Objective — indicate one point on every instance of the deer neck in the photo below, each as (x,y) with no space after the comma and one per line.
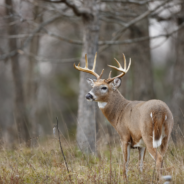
(114,105)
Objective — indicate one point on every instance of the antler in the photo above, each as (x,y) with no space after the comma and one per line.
(123,70)
(87,70)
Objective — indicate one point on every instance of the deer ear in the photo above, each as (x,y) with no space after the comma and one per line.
(91,81)
(116,83)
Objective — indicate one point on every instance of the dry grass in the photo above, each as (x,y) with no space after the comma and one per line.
(45,164)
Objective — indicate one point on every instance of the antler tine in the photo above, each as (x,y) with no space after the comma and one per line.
(129,65)
(120,67)
(94,62)
(123,70)
(101,74)
(118,63)
(86,69)
(86,60)
(109,75)
(124,58)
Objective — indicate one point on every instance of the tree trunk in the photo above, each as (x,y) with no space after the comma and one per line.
(32,80)
(141,60)
(86,129)
(20,114)
(178,84)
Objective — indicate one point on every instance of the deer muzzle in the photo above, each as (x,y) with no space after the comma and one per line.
(89,97)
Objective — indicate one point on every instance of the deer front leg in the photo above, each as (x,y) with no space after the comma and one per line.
(126,156)
(142,151)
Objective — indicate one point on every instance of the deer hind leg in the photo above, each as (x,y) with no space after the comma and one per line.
(164,147)
(158,158)
(163,150)
(126,157)
(142,151)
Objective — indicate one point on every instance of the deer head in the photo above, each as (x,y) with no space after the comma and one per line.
(102,88)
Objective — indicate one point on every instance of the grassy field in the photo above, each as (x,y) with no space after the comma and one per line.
(45,164)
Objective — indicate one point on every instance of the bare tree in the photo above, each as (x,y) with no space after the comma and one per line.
(33,75)
(20,114)
(141,59)
(178,83)
(86,129)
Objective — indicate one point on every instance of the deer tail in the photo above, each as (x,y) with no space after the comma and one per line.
(157,121)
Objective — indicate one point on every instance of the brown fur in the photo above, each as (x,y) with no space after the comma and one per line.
(135,121)
(132,119)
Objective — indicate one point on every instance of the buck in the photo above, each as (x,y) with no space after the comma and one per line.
(140,124)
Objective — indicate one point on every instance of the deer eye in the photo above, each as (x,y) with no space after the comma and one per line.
(104,88)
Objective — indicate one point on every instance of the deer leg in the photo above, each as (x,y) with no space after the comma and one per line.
(142,151)
(126,156)
(163,148)
(157,157)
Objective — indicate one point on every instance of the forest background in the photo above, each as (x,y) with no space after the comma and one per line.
(40,42)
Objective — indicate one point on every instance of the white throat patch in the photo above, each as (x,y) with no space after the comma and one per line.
(102,105)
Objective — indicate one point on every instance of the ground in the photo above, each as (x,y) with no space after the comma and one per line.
(45,164)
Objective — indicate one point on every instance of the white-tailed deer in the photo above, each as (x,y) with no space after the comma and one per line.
(140,124)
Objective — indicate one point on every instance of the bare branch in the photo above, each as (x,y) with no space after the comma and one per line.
(63,38)
(28,40)
(127,1)
(112,21)
(79,11)
(52,9)
(130,41)
(51,60)
(139,18)
(20,36)
(173,15)
(123,14)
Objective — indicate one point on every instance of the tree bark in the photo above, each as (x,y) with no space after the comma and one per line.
(178,84)
(86,129)
(141,60)
(20,114)
(32,79)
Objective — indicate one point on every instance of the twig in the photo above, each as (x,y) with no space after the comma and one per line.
(62,149)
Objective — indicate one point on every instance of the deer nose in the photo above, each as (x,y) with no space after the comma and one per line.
(89,96)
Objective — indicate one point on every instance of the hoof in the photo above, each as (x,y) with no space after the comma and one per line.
(167,179)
